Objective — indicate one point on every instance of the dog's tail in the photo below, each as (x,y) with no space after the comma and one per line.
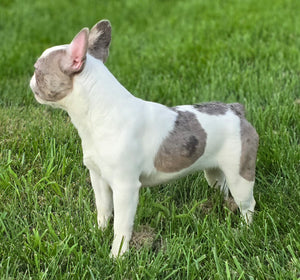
(238,108)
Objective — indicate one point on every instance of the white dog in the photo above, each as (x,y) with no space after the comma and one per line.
(129,143)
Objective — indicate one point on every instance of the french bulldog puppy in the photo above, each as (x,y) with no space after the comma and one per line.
(129,143)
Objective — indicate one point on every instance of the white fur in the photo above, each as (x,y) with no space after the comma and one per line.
(121,135)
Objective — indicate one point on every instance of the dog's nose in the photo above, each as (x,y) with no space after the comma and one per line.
(35,65)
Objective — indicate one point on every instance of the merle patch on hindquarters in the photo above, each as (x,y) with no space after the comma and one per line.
(249,137)
(250,141)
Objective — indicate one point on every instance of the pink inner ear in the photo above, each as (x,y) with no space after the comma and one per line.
(77,64)
(77,50)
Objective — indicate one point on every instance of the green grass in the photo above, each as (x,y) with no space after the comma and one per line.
(172,52)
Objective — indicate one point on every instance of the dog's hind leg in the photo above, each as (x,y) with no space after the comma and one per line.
(238,166)
(216,178)
(240,188)
(242,192)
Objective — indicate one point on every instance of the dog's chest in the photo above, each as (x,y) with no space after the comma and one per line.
(90,156)
(90,147)
(101,152)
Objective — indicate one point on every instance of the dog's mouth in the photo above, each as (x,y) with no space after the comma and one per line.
(37,96)
(35,92)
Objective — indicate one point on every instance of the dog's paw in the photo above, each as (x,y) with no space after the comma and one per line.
(119,247)
(103,221)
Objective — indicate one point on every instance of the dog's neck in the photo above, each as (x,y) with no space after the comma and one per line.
(95,90)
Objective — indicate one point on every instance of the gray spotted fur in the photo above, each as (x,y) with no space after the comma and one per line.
(219,108)
(99,40)
(184,145)
(53,82)
(250,141)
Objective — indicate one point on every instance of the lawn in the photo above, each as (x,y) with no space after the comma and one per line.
(172,52)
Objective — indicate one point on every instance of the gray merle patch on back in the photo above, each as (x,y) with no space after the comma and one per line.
(238,109)
(219,108)
(183,146)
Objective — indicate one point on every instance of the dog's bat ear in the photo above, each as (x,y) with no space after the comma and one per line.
(74,59)
(99,40)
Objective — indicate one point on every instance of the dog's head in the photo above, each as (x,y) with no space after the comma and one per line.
(55,69)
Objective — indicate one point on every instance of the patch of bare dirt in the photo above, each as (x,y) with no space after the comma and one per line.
(230,204)
(145,236)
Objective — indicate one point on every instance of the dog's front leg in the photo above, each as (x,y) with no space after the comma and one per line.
(103,197)
(125,197)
